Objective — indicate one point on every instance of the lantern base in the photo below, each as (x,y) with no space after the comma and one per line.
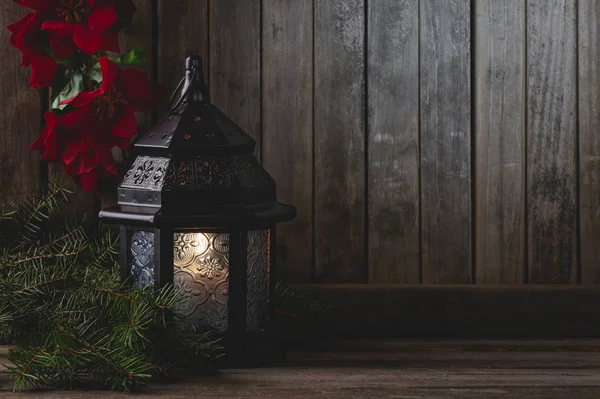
(252,350)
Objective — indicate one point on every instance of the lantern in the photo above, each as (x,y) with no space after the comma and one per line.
(198,210)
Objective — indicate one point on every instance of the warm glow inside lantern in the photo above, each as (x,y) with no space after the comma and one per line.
(198,210)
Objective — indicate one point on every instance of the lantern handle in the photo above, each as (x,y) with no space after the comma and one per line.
(183,95)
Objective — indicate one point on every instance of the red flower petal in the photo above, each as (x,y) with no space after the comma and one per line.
(83,98)
(108,165)
(103,18)
(109,73)
(63,47)
(37,144)
(51,148)
(126,127)
(77,119)
(87,40)
(71,153)
(43,70)
(91,3)
(20,24)
(110,41)
(26,39)
(38,5)
(58,28)
(88,180)
(26,61)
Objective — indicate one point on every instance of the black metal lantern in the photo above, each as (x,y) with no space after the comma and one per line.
(198,210)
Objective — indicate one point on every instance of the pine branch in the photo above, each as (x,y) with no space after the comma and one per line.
(64,307)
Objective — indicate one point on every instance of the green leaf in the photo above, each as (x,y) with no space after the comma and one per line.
(134,58)
(95,73)
(72,89)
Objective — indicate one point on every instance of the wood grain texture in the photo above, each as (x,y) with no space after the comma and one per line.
(287,83)
(445,141)
(499,139)
(384,368)
(393,143)
(551,149)
(183,30)
(339,141)
(139,34)
(235,53)
(20,117)
(589,139)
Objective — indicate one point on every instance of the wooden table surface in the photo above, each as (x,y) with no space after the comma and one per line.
(399,369)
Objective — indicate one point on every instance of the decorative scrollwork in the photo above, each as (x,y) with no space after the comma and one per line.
(210,268)
(202,276)
(147,173)
(181,175)
(186,246)
(141,258)
(213,173)
(220,243)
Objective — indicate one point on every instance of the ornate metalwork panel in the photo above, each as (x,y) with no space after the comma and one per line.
(141,258)
(181,175)
(202,274)
(259,266)
(147,173)
(215,172)
(251,173)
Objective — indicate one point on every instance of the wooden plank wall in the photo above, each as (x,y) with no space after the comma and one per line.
(423,141)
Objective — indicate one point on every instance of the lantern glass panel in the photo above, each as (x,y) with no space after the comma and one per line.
(201,273)
(140,257)
(258,276)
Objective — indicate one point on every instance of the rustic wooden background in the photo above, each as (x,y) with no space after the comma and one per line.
(423,142)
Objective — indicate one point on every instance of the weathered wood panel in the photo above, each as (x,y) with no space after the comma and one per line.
(20,117)
(589,139)
(551,138)
(235,77)
(500,245)
(339,140)
(445,141)
(287,126)
(139,34)
(182,31)
(393,143)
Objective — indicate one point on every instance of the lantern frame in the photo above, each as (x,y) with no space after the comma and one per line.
(196,172)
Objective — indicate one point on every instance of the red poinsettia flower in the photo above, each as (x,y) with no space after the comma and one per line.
(81,160)
(104,118)
(84,24)
(52,141)
(25,36)
(75,151)
(110,109)
(88,25)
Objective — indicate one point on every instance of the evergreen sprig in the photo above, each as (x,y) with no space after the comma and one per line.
(63,306)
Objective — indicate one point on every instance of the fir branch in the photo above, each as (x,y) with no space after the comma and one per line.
(64,307)
(19,262)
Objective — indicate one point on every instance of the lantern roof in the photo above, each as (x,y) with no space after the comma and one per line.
(196,167)
(195,127)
